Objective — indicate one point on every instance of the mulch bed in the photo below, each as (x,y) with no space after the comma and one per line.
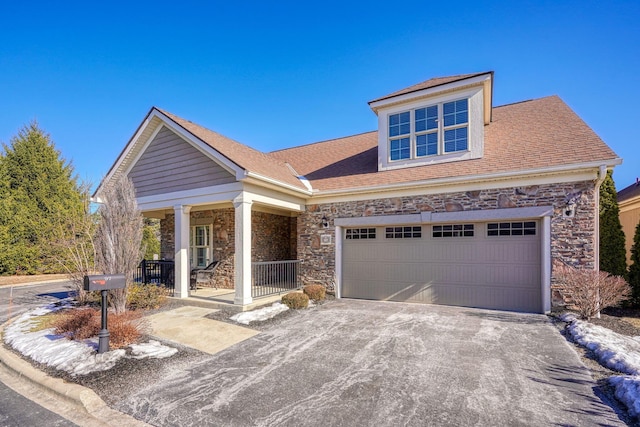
(616,319)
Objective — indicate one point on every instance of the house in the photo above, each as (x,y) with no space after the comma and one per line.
(629,204)
(450,201)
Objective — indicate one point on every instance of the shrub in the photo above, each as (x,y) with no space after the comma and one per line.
(295,300)
(79,324)
(590,290)
(145,297)
(126,328)
(315,292)
(634,269)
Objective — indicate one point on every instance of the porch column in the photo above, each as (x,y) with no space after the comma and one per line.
(182,265)
(242,207)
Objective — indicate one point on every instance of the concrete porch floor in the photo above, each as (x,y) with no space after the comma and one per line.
(223,299)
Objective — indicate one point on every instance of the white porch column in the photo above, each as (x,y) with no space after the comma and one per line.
(242,207)
(182,267)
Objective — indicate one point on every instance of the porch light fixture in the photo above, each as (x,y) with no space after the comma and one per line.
(571,201)
(325,222)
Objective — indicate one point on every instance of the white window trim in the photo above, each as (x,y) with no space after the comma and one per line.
(439,131)
(475,125)
(193,246)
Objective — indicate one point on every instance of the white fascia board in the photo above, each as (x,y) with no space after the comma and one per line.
(131,163)
(439,217)
(572,173)
(206,149)
(197,196)
(377,105)
(276,183)
(274,198)
(125,153)
(276,202)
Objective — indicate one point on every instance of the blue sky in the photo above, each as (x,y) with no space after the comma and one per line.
(278,74)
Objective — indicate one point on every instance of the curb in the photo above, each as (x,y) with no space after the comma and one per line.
(75,394)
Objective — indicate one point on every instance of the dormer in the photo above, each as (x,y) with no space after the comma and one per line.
(437,121)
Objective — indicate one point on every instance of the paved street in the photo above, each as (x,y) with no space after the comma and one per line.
(16,410)
(15,300)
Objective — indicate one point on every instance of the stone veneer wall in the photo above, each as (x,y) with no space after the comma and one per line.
(273,237)
(572,239)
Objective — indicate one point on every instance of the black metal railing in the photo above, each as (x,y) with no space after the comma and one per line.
(155,272)
(274,277)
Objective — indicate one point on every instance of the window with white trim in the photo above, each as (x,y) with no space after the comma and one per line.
(518,228)
(453,230)
(360,233)
(403,232)
(433,130)
(200,246)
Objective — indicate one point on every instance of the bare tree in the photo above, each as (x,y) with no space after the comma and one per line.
(590,291)
(73,237)
(119,235)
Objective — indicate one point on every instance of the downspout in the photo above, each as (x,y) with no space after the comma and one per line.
(602,174)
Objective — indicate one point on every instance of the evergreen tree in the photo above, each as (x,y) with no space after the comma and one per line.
(151,237)
(38,191)
(634,269)
(613,257)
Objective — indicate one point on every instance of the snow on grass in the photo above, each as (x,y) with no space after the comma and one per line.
(259,315)
(74,357)
(615,351)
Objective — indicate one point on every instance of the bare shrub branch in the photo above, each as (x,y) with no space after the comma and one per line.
(118,236)
(590,291)
(73,239)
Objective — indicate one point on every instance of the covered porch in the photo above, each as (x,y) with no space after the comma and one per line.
(252,239)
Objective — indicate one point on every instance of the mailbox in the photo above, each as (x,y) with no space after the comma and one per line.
(104,282)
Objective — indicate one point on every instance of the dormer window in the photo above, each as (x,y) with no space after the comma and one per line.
(428,131)
(437,121)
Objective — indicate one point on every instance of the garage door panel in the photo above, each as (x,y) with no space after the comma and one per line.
(389,291)
(501,272)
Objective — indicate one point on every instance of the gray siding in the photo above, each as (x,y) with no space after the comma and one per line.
(171,164)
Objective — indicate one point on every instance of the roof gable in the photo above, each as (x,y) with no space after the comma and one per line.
(238,159)
(169,164)
(430,84)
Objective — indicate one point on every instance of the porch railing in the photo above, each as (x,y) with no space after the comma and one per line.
(157,272)
(274,277)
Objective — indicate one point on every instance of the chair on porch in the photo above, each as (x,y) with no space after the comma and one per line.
(203,275)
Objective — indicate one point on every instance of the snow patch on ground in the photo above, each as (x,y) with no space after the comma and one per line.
(260,314)
(74,357)
(615,351)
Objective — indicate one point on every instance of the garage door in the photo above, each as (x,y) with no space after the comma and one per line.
(492,265)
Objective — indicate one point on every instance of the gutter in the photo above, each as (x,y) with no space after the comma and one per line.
(473,178)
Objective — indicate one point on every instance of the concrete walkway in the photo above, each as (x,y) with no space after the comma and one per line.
(385,364)
(188,326)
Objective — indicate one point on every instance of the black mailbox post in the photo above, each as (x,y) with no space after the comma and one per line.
(104,283)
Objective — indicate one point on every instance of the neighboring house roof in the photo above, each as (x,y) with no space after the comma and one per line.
(629,192)
(526,136)
(431,83)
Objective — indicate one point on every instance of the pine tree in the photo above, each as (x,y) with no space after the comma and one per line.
(634,269)
(38,191)
(612,247)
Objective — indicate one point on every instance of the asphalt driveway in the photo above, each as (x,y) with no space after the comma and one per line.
(369,363)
